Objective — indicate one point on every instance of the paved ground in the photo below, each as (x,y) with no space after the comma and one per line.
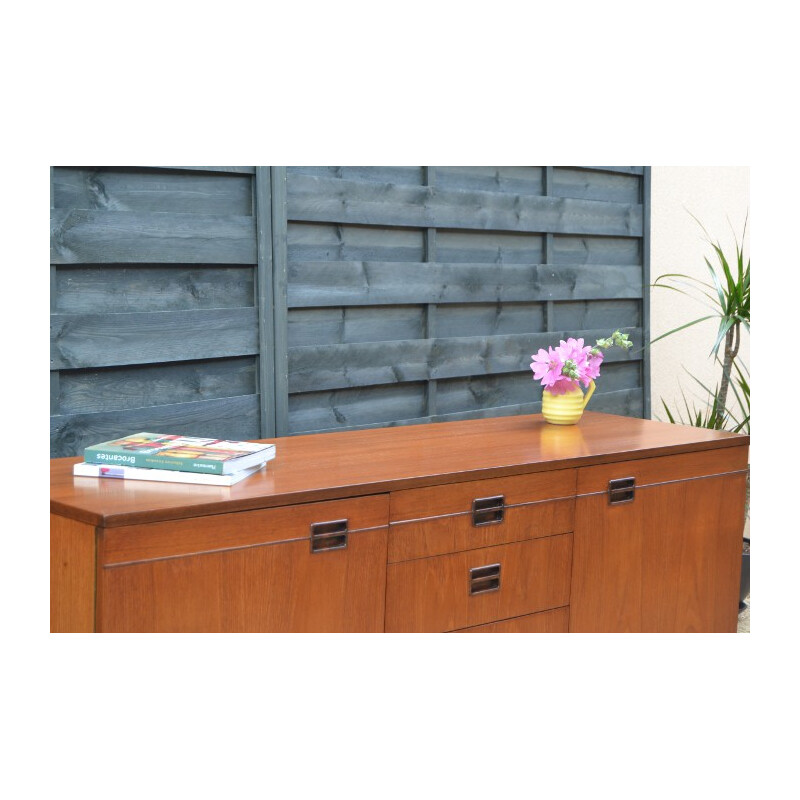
(744,618)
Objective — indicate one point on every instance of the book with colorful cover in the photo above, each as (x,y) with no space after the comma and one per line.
(180,453)
(168,475)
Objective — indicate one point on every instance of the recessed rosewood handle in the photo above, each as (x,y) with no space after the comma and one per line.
(488,510)
(328,535)
(484,579)
(621,490)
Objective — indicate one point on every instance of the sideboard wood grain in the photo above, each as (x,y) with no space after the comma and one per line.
(72,575)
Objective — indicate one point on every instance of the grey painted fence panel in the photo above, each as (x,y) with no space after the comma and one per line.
(78,341)
(399,295)
(493,277)
(155,312)
(82,290)
(314,284)
(118,189)
(226,418)
(98,237)
(336,200)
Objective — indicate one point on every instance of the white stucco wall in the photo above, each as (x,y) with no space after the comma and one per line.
(719,197)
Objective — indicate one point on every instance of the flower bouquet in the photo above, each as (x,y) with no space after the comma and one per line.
(562,369)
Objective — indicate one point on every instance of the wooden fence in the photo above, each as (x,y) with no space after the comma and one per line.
(247,302)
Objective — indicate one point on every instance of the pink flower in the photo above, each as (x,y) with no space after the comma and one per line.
(562,386)
(592,370)
(547,366)
(574,350)
(572,363)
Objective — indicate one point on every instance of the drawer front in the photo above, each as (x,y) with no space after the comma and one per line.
(651,471)
(555,621)
(461,590)
(457,532)
(458,498)
(218,532)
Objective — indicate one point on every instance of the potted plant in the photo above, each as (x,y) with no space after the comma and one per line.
(727,295)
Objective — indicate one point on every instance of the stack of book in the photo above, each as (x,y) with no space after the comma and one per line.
(178,459)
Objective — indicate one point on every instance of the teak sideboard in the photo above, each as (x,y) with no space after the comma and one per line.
(506,524)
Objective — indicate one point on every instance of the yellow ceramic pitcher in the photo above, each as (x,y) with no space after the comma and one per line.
(567,408)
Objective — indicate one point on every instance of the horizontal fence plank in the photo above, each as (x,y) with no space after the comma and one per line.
(374,363)
(626,402)
(82,290)
(316,242)
(229,418)
(341,325)
(488,247)
(235,170)
(455,395)
(308,241)
(315,284)
(410,175)
(99,237)
(85,391)
(101,340)
(516,180)
(323,326)
(336,200)
(595,250)
(119,189)
(491,319)
(625,170)
(341,408)
(613,187)
(587,314)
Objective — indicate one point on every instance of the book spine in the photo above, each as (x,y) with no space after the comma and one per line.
(154,461)
(132,474)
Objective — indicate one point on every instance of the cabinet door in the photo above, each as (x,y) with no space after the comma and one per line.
(666,561)
(248,572)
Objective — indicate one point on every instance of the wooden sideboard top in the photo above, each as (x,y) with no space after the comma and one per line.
(335,465)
